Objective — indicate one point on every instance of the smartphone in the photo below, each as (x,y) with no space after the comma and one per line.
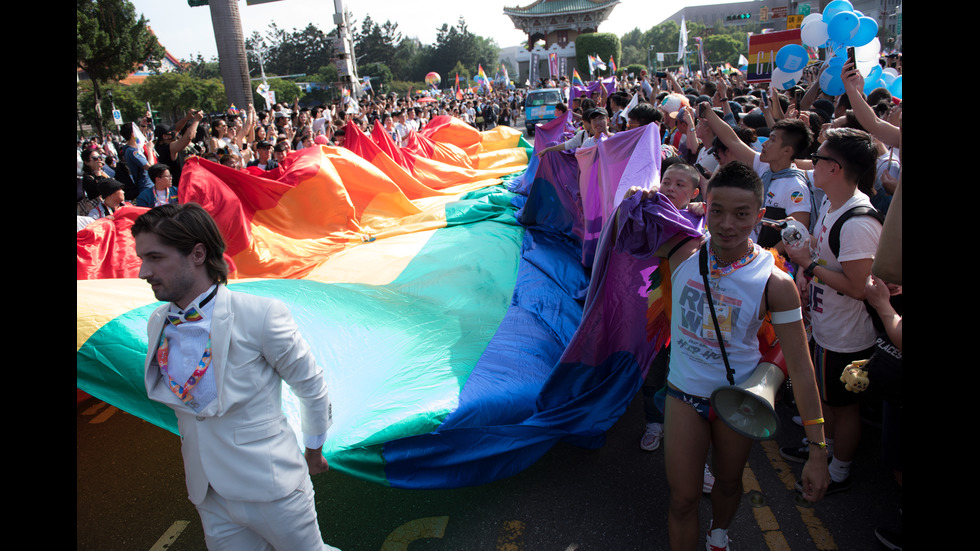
(765,99)
(702,111)
(705,173)
(661,74)
(850,55)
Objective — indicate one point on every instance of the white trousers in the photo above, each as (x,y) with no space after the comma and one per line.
(287,524)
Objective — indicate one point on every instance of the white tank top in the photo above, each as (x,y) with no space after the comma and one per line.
(696,365)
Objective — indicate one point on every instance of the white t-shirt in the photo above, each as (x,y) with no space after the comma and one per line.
(839,322)
(784,193)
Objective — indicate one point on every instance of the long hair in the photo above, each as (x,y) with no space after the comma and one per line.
(183,227)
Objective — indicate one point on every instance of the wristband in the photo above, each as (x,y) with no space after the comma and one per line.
(817,421)
(821,445)
(809,269)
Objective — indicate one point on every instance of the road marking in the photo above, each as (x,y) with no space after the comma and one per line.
(104,416)
(428,527)
(100,417)
(170,536)
(511,536)
(818,532)
(764,518)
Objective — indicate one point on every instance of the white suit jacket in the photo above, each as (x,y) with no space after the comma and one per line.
(241,443)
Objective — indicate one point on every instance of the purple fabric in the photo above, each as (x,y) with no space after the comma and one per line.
(593,86)
(552,178)
(608,170)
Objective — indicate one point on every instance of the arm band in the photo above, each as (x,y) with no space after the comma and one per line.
(787,316)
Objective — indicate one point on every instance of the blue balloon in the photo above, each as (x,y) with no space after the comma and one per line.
(792,58)
(867,31)
(871,81)
(831,83)
(843,27)
(834,8)
(889,78)
(896,87)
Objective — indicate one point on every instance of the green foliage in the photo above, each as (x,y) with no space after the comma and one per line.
(124,98)
(112,42)
(603,45)
(401,87)
(173,94)
(381,76)
(286,91)
(297,52)
(458,45)
(199,68)
(376,43)
(721,48)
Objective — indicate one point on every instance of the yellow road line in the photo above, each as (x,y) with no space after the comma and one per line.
(822,538)
(511,536)
(428,527)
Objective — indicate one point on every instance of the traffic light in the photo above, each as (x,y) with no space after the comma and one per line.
(738,17)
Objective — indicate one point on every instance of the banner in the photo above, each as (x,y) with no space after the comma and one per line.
(762,52)
(553,65)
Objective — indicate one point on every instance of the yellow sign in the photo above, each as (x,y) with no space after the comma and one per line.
(793,21)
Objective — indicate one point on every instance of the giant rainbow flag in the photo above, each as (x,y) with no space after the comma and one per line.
(440,285)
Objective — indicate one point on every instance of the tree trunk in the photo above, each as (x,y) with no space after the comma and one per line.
(231,51)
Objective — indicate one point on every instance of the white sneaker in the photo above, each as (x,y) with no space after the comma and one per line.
(709,480)
(651,438)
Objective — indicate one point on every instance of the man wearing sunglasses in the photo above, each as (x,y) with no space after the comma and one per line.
(833,281)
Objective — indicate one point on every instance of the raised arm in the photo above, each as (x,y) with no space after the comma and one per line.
(176,146)
(727,135)
(854,87)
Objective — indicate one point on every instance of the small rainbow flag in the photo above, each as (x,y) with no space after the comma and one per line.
(576,78)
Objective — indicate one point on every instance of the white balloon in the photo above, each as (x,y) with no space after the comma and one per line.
(868,52)
(865,67)
(783,80)
(811,17)
(891,71)
(814,34)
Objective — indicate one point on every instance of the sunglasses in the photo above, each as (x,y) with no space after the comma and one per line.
(816,158)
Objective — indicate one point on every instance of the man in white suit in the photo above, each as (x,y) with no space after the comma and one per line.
(218,358)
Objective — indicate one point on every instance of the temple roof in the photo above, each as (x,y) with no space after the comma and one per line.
(548,7)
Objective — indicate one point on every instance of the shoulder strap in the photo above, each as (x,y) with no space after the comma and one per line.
(703,266)
(860,210)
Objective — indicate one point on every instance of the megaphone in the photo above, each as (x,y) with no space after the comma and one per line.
(748,408)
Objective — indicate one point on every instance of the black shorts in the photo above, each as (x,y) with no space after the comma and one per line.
(829,366)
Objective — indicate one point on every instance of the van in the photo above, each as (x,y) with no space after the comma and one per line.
(539,107)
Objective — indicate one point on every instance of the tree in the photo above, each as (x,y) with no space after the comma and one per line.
(111,43)
(199,68)
(603,45)
(293,53)
(174,94)
(458,44)
(286,91)
(721,48)
(123,98)
(380,74)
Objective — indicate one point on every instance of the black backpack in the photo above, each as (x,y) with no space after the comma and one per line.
(834,242)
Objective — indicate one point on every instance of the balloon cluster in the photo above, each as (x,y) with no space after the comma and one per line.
(837,28)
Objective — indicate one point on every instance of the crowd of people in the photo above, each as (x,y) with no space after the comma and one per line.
(831,165)
(261,139)
(741,161)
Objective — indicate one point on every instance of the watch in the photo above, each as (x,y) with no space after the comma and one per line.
(809,269)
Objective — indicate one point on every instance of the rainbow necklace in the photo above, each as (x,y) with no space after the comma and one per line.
(183,391)
(719,269)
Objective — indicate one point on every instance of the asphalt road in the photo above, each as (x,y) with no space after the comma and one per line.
(131,495)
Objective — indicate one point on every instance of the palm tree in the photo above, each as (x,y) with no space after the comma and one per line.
(231,51)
